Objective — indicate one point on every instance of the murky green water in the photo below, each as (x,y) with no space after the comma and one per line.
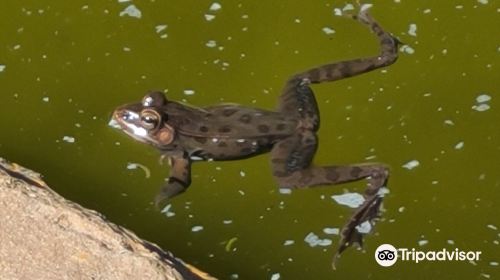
(67,64)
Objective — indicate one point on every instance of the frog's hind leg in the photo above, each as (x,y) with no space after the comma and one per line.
(343,69)
(291,161)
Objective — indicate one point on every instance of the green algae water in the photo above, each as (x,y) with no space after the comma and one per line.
(432,116)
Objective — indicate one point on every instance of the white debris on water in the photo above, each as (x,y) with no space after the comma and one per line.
(45,99)
(484,2)
(215,7)
(288,242)
(134,165)
(69,139)
(412,30)
(2,67)
(334,231)
(459,145)
(365,227)
(407,49)
(197,228)
(482,103)
(353,200)
(423,242)
(189,92)
(275,276)
(313,240)
(483,98)
(166,211)
(161,29)
(211,44)
(492,227)
(131,11)
(209,17)
(285,191)
(242,173)
(411,164)
(328,31)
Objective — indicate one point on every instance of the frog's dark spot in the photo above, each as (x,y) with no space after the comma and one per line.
(263,128)
(245,118)
(222,144)
(280,174)
(332,175)
(225,129)
(229,112)
(203,129)
(200,140)
(278,160)
(280,127)
(246,150)
(356,171)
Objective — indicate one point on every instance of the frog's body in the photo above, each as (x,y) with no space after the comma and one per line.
(227,132)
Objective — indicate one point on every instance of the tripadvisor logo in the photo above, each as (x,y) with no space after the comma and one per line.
(387,255)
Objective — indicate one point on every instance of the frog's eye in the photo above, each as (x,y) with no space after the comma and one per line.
(154,99)
(150,119)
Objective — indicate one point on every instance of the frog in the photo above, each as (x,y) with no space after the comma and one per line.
(184,134)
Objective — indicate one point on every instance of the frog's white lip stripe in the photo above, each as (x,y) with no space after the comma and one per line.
(114,124)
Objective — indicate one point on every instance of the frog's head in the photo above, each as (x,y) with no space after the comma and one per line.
(145,121)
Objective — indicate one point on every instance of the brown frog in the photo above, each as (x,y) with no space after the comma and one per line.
(229,132)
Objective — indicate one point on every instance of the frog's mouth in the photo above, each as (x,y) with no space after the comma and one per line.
(137,132)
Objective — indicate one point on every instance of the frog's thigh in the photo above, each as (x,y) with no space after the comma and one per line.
(297,100)
(293,155)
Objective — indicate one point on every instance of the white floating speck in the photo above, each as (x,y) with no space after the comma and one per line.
(483,98)
(451,242)
(2,67)
(161,27)
(407,49)
(69,139)
(484,2)
(353,200)
(167,212)
(492,227)
(242,173)
(209,17)
(412,30)
(285,191)
(335,231)
(365,227)
(364,7)
(411,164)
(337,12)
(423,242)
(313,240)
(45,99)
(449,122)
(211,44)
(197,228)
(328,31)
(459,145)
(288,242)
(481,107)
(275,276)
(227,222)
(494,263)
(401,209)
(131,11)
(215,7)
(188,92)
(134,165)
(123,1)
(348,7)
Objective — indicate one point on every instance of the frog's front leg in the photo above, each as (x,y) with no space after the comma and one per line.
(178,180)
(291,160)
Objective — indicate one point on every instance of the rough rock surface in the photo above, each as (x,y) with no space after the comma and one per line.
(44,236)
